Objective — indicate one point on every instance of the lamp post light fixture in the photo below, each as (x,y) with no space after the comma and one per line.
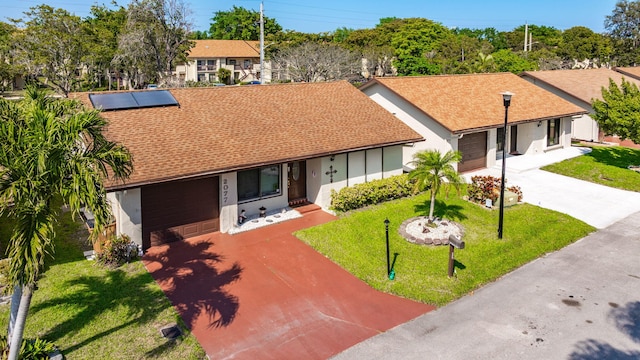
(506,98)
(386,229)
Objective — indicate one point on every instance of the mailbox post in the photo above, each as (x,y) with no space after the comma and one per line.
(454,243)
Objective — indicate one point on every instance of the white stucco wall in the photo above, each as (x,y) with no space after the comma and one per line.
(314,180)
(228,201)
(127,210)
(374,164)
(435,135)
(357,168)
(392,161)
(584,127)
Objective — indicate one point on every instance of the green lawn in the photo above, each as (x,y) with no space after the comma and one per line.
(93,313)
(604,165)
(356,242)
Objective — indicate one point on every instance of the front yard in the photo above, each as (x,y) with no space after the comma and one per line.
(356,242)
(90,312)
(604,165)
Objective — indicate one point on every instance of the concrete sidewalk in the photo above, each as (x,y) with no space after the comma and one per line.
(597,205)
(581,302)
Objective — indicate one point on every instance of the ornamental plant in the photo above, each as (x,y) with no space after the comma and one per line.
(488,187)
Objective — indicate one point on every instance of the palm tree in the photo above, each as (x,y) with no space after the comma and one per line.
(431,169)
(50,149)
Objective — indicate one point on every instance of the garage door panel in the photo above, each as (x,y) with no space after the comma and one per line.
(178,210)
(474,151)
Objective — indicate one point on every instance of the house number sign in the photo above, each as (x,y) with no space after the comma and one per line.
(225,191)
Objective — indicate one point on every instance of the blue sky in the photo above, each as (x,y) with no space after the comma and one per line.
(328,15)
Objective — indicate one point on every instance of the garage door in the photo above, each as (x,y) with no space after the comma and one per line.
(474,151)
(178,210)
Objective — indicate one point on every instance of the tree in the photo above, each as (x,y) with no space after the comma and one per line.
(314,62)
(50,149)
(102,28)
(618,113)
(53,43)
(416,43)
(623,26)
(580,43)
(507,61)
(9,68)
(431,169)
(241,24)
(155,37)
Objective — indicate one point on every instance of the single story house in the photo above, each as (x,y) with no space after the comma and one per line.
(579,87)
(629,71)
(202,155)
(467,113)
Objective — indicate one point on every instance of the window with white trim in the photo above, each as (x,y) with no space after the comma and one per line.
(553,132)
(259,183)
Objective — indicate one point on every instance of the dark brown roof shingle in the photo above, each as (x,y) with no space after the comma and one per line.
(463,103)
(235,127)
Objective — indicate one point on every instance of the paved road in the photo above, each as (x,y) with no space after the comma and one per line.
(582,302)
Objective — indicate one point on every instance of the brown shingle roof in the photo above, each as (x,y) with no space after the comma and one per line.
(582,84)
(462,103)
(224,48)
(631,71)
(234,127)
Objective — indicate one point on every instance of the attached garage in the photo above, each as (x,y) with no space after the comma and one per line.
(474,151)
(178,210)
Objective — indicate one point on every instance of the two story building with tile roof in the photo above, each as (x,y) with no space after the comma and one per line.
(240,57)
(579,87)
(203,156)
(466,113)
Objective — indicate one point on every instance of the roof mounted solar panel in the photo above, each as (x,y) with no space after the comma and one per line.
(133,100)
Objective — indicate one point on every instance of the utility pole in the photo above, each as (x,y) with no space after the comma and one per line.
(261,43)
(526,30)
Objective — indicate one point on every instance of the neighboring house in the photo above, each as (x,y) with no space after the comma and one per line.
(240,57)
(201,155)
(629,72)
(579,87)
(466,113)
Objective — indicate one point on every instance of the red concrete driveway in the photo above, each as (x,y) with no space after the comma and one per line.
(264,294)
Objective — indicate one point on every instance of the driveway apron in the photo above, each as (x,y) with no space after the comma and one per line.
(263,294)
(596,205)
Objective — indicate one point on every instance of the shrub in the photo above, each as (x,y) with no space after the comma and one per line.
(488,187)
(372,192)
(36,349)
(117,251)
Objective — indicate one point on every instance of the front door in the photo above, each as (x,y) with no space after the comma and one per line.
(297,182)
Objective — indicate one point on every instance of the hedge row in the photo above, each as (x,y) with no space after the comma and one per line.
(372,192)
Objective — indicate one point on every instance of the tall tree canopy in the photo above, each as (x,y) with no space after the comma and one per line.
(49,149)
(581,43)
(416,43)
(54,45)
(314,62)
(623,26)
(155,37)
(619,111)
(241,24)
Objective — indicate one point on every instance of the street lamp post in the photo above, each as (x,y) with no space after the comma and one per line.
(386,229)
(506,98)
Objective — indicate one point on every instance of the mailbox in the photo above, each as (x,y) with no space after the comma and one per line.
(456,242)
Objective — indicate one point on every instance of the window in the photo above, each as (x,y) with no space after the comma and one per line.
(500,139)
(553,132)
(202,77)
(212,77)
(258,183)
